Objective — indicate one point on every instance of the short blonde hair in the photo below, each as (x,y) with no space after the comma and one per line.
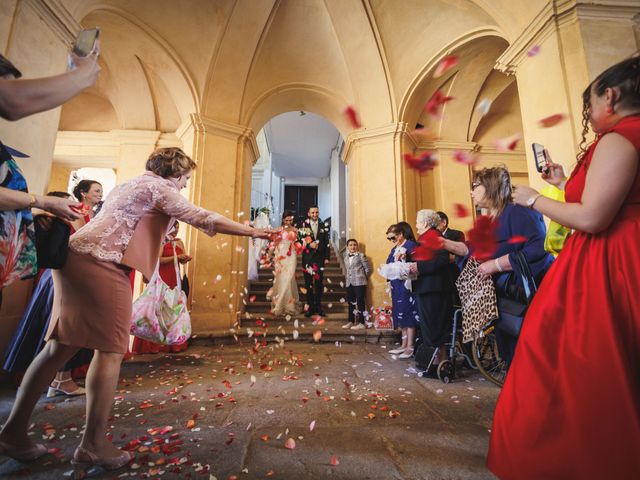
(169,162)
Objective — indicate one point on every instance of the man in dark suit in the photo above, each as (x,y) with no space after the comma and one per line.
(455,236)
(315,237)
(449,233)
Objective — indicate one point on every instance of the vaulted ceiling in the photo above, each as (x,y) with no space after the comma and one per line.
(246,61)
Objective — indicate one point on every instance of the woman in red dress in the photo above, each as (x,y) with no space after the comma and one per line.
(168,275)
(570,406)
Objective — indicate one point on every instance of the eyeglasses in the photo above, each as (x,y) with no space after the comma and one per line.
(475,185)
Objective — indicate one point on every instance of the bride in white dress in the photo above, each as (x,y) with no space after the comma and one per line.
(284,294)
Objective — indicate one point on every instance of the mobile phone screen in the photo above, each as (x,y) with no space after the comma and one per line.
(85,41)
(540,157)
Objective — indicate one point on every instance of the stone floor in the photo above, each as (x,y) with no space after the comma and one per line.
(350,411)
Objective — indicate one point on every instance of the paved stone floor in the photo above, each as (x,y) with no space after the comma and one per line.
(349,410)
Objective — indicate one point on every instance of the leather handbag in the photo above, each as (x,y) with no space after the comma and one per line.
(514,300)
(52,241)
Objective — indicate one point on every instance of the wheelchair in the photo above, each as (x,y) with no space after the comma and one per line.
(446,370)
(486,355)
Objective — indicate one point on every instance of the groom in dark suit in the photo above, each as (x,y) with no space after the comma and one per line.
(315,238)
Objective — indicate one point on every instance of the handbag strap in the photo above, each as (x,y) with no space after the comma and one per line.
(175,264)
(529,283)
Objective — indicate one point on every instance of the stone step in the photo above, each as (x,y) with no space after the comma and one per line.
(331,331)
(330,293)
(328,306)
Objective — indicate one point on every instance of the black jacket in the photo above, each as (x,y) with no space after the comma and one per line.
(433,275)
(311,256)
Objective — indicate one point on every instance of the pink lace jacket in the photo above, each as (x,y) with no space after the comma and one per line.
(134,220)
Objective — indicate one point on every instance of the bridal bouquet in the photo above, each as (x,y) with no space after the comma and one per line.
(397,271)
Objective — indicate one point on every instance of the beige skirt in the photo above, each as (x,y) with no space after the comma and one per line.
(91,304)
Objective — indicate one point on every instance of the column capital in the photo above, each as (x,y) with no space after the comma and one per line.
(372,135)
(556,14)
(55,16)
(199,124)
(449,145)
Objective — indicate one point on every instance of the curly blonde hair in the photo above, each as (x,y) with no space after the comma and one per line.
(169,162)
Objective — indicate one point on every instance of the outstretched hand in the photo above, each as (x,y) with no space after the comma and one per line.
(64,208)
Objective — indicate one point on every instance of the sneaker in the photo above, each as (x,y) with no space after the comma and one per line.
(347,325)
(406,355)
(397,351)
(358,326)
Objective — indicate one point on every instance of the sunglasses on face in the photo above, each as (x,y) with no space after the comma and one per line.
(391,239)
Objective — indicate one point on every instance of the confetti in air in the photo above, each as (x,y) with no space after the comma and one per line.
(445,64)
(552,120)
(352,116)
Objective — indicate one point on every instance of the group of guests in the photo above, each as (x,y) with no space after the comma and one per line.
(569,405)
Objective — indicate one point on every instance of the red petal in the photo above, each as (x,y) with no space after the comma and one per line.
(435,102)
(334,461)
(461,211)
(445,64)
(517,239)
(482,238)
(425,162)
(551,120)
(428,244)
(352,116)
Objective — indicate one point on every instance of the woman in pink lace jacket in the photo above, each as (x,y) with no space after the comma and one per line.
(126,235)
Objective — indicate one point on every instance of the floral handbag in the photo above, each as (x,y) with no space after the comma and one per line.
(160,313)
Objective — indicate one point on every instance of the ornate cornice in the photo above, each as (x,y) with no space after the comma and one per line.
(558,13)
(449,145)
(57,18)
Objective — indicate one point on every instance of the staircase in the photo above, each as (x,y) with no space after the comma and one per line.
(258,318)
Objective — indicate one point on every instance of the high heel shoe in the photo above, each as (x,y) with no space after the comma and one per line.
(396,351)
(24,455)
(405,355)
(55,390)
(80,466)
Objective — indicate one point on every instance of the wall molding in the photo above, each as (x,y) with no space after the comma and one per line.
(55,16)
(558,13)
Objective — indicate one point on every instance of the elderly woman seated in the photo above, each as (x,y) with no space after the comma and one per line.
(433,287)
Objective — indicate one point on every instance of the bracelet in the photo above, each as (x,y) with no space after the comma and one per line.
(498,265)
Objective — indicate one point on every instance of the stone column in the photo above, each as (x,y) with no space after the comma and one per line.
(375,195)
(225,154)
(577,39)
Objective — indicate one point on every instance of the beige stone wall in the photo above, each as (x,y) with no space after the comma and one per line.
(59,179)
(209,75)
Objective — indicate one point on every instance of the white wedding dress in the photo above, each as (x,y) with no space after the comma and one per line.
(284,295)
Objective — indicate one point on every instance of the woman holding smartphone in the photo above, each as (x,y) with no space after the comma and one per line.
(570,405)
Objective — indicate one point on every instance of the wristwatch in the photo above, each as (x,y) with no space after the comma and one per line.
(532,200)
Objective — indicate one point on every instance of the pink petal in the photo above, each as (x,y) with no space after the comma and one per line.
(290,444)
(445,64)
(312,425)
(535,50)
(508,144)
(466,158)
(334,461)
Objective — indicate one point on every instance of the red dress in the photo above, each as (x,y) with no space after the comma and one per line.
(168,275)
(570,406)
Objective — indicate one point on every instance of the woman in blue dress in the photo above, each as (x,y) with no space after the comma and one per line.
(403,304)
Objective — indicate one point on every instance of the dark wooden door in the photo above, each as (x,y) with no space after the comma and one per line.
(299,199)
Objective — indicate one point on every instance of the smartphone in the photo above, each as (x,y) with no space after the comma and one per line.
(85,41)
(540,157)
